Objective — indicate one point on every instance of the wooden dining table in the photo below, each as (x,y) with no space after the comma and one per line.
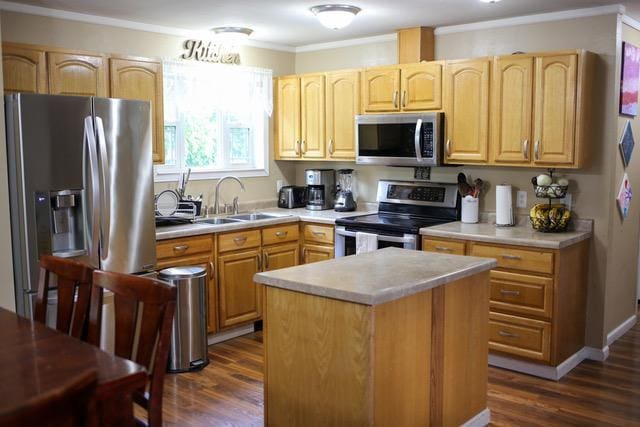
(37,359)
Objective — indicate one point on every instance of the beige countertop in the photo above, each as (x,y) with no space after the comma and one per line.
(284,216)
(376,277)
(521,234)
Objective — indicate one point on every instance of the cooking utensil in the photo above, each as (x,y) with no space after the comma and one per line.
(463,187)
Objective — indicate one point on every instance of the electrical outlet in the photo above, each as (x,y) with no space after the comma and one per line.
(567,201)
(521,199)
(279,185)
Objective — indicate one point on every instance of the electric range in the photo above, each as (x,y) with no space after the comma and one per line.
(404,207)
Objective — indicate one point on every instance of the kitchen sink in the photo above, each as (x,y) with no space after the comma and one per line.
(217,221)
(253,217)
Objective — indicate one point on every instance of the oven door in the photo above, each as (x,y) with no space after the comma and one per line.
(399,139)
(345,242)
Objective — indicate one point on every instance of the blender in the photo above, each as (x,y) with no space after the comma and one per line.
(345,201)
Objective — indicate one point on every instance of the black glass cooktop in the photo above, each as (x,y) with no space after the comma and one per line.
(393,223)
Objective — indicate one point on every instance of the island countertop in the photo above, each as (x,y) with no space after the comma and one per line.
(376,277)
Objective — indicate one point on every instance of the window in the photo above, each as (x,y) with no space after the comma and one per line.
(216,120)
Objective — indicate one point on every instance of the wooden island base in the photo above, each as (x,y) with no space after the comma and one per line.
(416,361)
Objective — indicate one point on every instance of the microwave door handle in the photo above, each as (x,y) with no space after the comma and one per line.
(105,224)
(416,140)
(90,141)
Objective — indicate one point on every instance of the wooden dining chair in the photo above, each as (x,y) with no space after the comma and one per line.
(66,406)
(73,282)
(144,310)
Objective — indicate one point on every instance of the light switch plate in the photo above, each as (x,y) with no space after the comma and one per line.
(521,199)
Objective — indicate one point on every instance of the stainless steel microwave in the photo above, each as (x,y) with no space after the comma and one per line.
(399,139)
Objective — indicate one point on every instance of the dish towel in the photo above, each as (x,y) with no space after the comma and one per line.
(366,242)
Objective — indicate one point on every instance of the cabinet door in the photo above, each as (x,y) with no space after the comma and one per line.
(555,109)
(239,295)
(467,111)
(72,74)
(381,89)
(511,114)
(288,117)
(141,80)
(205,262)
(312,116)
(314,253)
(24,69)
(280,256)
(421,87)
(343,104)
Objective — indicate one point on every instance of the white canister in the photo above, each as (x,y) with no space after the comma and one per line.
(469,210)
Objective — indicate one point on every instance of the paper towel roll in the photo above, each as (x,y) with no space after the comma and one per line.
(504,205)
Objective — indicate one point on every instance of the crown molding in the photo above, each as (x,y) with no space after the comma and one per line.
(122,23)
(626,19)
(533,19)
(390,37)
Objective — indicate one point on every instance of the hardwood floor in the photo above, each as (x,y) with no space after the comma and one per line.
(229,390)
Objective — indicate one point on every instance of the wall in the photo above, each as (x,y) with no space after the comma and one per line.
(620,302)
(357,56)
(47,31)
(596,34)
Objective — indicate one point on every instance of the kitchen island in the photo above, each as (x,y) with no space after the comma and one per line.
(391,337)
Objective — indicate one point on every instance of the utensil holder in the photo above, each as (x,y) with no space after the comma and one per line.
(469,210)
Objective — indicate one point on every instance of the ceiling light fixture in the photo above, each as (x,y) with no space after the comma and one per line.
(232,35)
(335,16)
(489,1)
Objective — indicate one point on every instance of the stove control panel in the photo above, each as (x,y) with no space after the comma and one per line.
(424,194)
(437,194)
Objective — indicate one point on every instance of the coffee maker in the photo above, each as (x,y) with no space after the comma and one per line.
(321,188)
(345,200)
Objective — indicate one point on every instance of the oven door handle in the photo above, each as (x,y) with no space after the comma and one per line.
(416,140)
(381,237)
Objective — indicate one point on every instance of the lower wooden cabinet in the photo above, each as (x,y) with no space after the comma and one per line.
(443,246)
(239,296)
(520,336)
(317,242)
(280,256)
(315,253)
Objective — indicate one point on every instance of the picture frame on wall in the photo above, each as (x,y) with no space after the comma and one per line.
(630,79)
(624,196)
(626,143)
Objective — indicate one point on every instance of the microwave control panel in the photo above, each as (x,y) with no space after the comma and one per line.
(427,139)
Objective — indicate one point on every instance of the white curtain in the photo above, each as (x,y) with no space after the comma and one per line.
(196,87)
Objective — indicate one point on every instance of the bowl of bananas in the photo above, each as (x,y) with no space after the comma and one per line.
(549,218)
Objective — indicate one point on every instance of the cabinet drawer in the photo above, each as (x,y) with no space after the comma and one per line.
(519,259)
(280,234)
(238,240)
(520,336)
(183,247)
(520,293)
(318,233)
(443,246)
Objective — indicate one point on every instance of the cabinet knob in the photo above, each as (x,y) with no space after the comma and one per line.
(509,292)
(240,240)
(507,334)
(180,248)
(443,249)
(281,233)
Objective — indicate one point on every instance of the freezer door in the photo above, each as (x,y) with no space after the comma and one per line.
(128,241)
(48,149)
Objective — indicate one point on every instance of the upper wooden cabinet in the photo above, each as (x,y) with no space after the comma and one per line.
(342,105)
(24,68)
(467,111)
(288,118)
(142,80)
(411,87)
(312,102)
(77,74)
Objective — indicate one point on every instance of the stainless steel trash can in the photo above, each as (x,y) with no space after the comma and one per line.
(189,333)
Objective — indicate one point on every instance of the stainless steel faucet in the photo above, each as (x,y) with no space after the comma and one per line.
(216,205)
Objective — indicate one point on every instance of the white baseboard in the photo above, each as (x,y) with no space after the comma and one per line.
(227,335)
(481,419)
(597,354)
(544,371)
(621,329)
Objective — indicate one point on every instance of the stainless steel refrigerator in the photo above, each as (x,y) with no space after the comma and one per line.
(81,185)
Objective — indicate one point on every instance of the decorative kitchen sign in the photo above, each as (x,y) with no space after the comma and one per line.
(208,51)
(629,80)
(624,196)
(626,143)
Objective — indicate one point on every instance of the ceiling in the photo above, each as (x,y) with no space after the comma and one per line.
(289,22)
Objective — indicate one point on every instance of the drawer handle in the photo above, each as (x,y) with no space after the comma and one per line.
(240,240)
(281,233)
(180,248)
(513,257)
(266,261)
(259,262)
(443,249)
(507,334)
(212,270)
(318,233)
(508,292)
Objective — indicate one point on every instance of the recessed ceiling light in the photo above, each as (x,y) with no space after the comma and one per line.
(335,16)
(232,35)
(489,1)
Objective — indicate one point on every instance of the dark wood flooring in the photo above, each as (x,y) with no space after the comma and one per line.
(229,390)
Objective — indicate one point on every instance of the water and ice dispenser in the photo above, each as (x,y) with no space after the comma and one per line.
(59,223)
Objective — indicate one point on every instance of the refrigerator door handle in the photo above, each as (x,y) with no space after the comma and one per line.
(105,198)
(90,141)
